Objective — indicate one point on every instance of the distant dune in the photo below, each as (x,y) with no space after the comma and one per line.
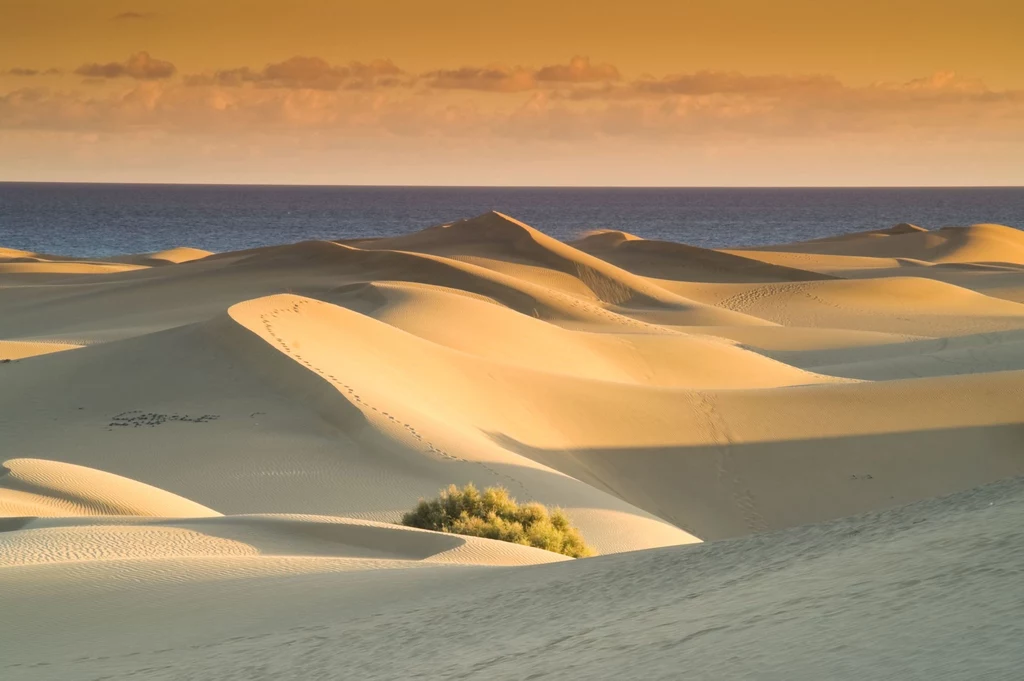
(206,455)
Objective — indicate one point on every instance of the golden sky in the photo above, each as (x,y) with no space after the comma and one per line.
(735,92)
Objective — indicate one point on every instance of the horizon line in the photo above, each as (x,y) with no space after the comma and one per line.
(496,186)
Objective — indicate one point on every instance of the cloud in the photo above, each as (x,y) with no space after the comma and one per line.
(316,73)
(500,78)
(491,79)
(133,16)
(717,82)
(704,83)
(311,73)
(20,71)
(139,66)
(578,70)
(716,102)
(173,108)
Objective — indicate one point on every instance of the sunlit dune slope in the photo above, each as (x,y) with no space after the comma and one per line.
(656,357)
(11,350)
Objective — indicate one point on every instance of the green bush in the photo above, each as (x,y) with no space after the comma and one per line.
(496,515)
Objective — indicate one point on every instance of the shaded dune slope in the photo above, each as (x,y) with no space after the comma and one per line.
(681,262)
(327,544)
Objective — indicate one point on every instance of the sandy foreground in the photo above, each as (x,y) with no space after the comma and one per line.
(204,456)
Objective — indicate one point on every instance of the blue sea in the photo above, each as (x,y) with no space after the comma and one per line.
(104,219)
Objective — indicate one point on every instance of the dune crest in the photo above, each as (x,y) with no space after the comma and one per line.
(495,236)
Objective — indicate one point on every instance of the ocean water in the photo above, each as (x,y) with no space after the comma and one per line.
(104,219)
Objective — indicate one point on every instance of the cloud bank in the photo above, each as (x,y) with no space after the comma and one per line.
(139,66)
(311,73)
(28,73)
(580,107)
(572,101)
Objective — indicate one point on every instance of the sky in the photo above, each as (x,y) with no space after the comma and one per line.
(450,92)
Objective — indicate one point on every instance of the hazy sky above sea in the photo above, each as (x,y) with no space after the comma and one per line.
(699,93)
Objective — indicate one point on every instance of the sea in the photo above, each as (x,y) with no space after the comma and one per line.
(93,220)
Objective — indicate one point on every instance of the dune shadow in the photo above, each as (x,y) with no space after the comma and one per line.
(809,359)
(15,523)
(727,490)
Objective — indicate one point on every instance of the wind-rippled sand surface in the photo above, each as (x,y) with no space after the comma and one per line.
(204,456)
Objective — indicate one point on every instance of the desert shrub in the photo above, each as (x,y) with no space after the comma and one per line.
(495,514)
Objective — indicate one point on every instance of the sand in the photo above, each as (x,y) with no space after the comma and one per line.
(205,456)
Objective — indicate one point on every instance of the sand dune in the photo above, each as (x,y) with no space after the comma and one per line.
(498,242)
(165,257)
(991,247)
(33,487)
(661,394)
(293,439)
(658,357)
(496,239)
(169,256)
(974,244)
(902,305)
(680,262)
(120,305)
(981,353)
